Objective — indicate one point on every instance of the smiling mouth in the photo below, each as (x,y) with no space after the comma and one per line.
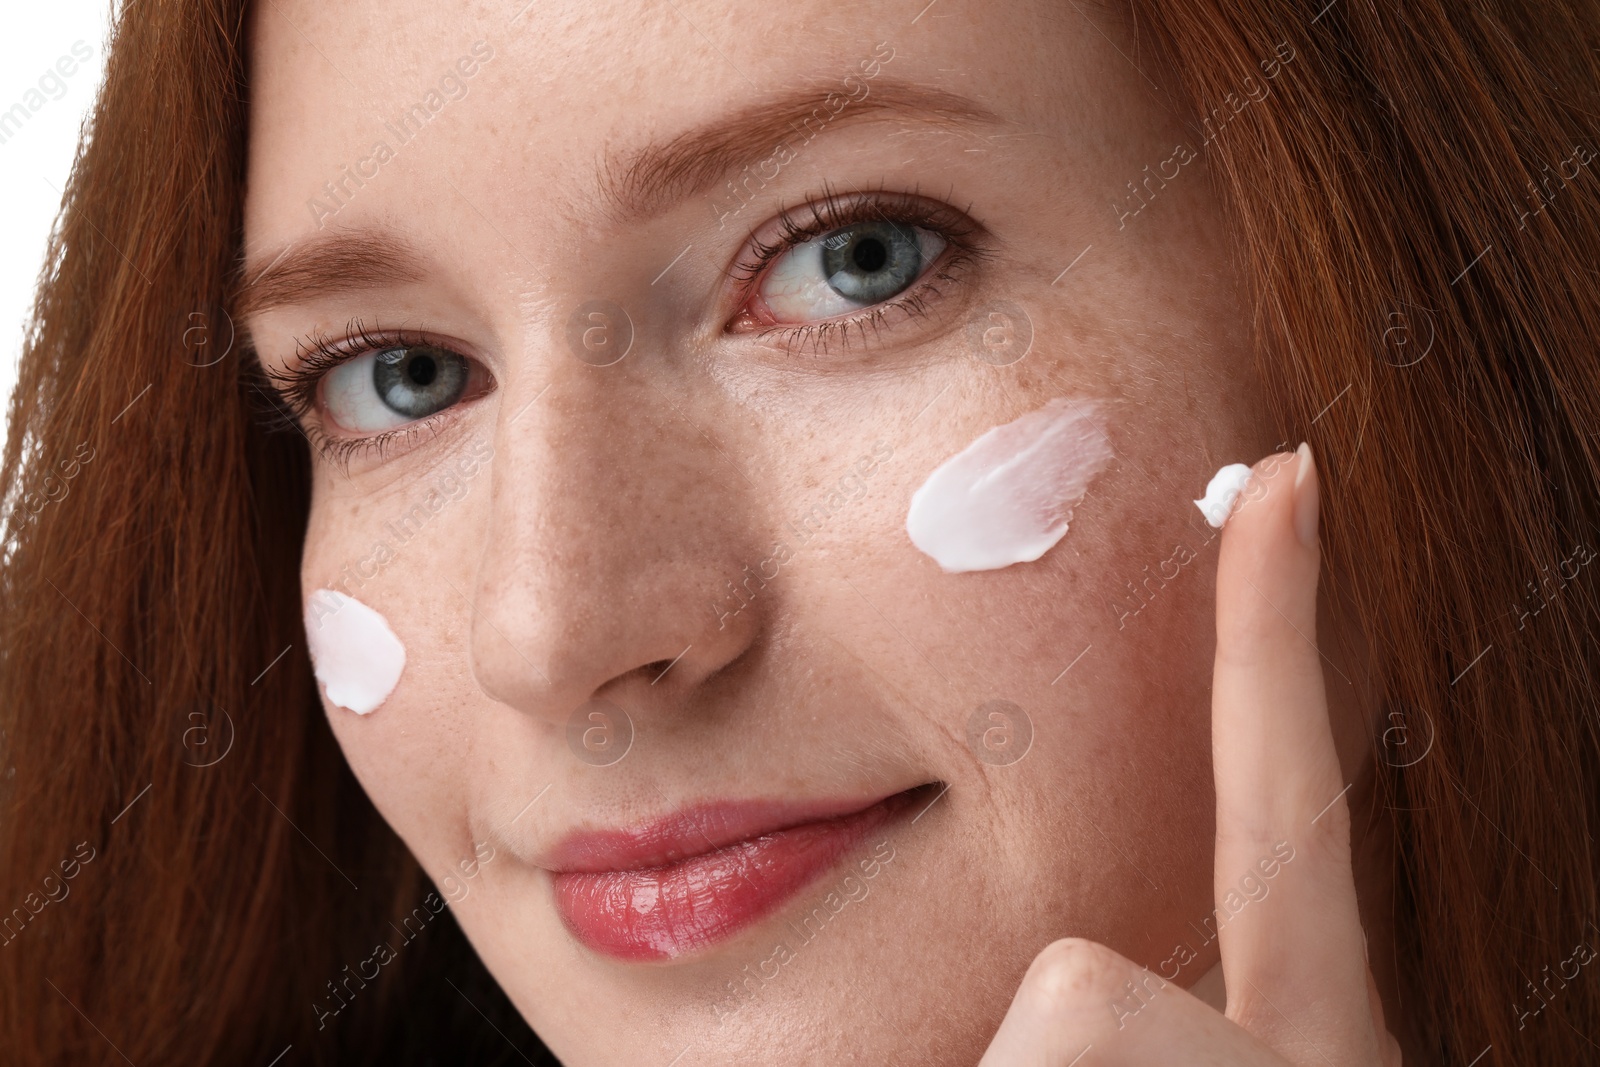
(701,875)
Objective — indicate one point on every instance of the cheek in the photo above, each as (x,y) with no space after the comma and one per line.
(358,656)
(1102,642)
(387,636)
(1115,794)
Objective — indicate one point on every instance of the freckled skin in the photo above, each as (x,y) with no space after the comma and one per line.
(599,541)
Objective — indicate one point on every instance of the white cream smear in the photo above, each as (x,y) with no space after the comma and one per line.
(1008,497)
(356,656)
(1222,492)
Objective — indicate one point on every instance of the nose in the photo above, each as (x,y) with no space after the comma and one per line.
(615,524)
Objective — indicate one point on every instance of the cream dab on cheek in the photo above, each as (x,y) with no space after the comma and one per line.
(1222,492)
(356,656)
(1008,497)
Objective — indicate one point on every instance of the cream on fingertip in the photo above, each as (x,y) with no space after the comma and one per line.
(1222,493)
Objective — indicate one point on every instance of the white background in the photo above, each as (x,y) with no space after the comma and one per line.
(35,159)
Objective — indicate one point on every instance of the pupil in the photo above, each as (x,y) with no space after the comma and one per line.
(870,254)
(871,261)
(418,380)
(422,370)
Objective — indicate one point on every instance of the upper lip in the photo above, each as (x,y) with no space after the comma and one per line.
(689,832)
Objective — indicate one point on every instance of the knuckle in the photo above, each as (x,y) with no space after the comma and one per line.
(1326,842)
(1247,1009)
(1072,976)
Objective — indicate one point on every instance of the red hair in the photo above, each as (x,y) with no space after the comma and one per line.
(1412,162)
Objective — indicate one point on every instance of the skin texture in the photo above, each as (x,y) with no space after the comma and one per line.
(1276,765)
(596,546)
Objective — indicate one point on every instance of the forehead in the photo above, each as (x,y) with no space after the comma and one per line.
(531,115)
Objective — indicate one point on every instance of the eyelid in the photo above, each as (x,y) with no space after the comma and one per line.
(297,383)
(831,210)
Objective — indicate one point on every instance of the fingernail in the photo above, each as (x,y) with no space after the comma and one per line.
(1305,497)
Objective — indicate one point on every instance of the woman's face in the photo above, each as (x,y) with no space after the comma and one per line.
(630,479)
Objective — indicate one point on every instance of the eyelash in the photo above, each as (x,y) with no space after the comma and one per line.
(292,392)
(830,211)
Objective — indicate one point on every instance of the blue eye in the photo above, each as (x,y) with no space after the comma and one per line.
(390,387)
(871,262)
(848,269)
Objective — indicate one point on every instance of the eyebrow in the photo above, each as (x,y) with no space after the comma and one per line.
(335,262)
(649,180)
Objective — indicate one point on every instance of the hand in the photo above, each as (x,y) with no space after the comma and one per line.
(1300,991)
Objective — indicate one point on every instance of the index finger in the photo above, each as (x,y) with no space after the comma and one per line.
(1293,950)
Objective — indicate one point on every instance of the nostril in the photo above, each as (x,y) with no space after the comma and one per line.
(658,669)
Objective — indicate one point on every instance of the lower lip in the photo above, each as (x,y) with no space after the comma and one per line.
(661,913)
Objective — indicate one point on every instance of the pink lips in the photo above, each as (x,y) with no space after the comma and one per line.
(684,882)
